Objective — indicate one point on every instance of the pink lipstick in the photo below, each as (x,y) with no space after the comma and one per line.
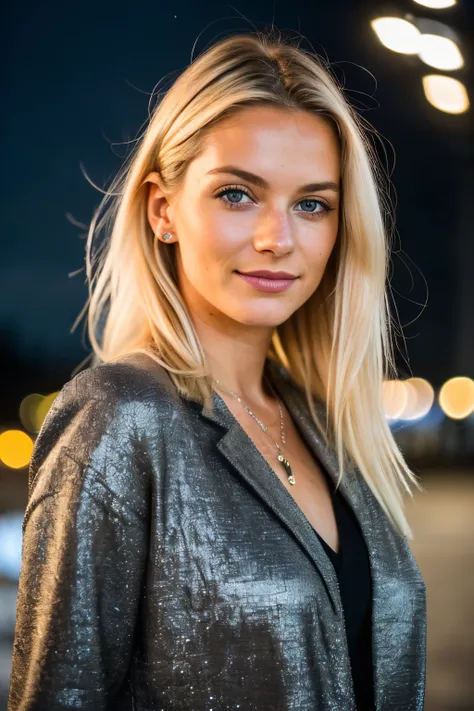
(267,284)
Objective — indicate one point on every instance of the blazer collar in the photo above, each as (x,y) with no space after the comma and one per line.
(241,452)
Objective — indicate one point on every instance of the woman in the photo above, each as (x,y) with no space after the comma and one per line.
(215,515)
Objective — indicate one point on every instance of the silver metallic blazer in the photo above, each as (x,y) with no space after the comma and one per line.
(166,567)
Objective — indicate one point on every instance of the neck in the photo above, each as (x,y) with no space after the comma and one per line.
(236,358)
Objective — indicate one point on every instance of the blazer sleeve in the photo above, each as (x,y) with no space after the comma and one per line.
(84,548)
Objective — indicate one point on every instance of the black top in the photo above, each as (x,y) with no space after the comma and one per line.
(353,573)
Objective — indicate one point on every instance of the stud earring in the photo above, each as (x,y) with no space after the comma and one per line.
(166,235)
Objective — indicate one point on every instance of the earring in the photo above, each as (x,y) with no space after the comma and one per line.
(167,235)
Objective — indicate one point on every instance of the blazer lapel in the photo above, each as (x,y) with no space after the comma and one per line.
(362,502)
(241,452)
(351,486)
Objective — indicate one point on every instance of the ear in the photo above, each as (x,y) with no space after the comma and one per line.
(157,205)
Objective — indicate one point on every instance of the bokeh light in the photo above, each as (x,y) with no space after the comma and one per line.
(45,405)
(29,412)
(420,400)
(11,538)
(445,93)
(16,448)
(34,408)
(397,34)
(440,52)
(436,4)
(394,398)
(409,399)
(456,397)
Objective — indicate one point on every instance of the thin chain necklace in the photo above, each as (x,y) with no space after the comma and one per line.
(280,456)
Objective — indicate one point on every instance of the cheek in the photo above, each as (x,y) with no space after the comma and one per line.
(204,255)
(320,247)
(218,247)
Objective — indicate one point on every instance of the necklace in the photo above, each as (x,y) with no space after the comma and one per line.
(280,456)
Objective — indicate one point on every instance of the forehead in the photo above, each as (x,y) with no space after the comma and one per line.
(267,138)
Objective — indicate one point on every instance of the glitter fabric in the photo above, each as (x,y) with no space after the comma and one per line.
(165,567)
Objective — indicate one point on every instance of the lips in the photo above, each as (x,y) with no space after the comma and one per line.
(265,284)
(265,274)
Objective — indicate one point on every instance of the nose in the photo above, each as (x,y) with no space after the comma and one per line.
(275,234)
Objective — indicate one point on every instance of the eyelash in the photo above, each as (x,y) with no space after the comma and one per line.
(240,189)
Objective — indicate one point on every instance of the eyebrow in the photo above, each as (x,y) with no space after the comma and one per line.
(261,183)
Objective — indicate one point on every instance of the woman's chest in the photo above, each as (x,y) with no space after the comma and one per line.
(227,531)
(311,490)
(217,545)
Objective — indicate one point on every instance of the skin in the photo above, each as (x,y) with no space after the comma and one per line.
(273,228)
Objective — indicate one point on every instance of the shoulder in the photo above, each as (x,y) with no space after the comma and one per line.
(102,437)
(108,412)
(128,392)
(132,378)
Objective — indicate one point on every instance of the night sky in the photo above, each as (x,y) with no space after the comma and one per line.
(77,79)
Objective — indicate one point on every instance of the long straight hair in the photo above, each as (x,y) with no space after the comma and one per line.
(338,346)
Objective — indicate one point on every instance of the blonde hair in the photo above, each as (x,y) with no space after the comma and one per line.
(337,346)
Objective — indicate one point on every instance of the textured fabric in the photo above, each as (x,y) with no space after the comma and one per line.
(166,567)
(352,567)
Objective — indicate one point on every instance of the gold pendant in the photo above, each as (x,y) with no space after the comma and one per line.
(286,464)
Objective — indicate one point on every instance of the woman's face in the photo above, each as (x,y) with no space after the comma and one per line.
(225,223)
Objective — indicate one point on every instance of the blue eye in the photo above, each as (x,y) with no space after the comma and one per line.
(230,191)
(236,190)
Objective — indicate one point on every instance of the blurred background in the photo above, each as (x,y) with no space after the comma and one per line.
(77,80)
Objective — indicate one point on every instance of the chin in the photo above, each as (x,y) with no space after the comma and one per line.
(262,316)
